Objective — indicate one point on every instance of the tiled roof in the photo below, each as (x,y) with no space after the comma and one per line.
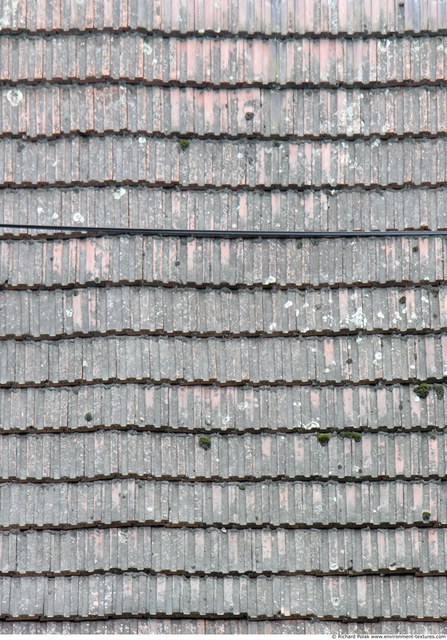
(222,435)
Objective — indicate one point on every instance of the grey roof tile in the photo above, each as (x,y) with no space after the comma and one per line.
(113,455)
(283,263)
(325,597)
(223,61)
(163,162)
(172,16)
(226,625)
(280,503)
(109,454)
(387,358)
(203,408)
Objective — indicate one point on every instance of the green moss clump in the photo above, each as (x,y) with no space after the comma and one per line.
(184,144)
(422,390)
(205,442)
(355,435)
(88,416)
(323,438)
(439,390)
(426,515)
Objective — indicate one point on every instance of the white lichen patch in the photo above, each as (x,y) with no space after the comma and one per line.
(377,358)
(77,217)
(14,97)
(288,304)
(272,326)
(357,319)
(119,192)
(313,424)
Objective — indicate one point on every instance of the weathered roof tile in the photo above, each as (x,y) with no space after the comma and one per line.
(205,408)
(174,16)
(321,164)
(333,597)
(233,626)
(246,209)
(121,353)
(281,503)
(100,455)
(220,62)
(160,359)
(283,263)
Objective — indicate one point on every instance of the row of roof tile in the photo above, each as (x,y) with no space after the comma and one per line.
(216,164)
(196,626)
(367,597)
(245,263)
(139,207)
(205,408)
(341,359)
(109,454)
(213,551)
(265,17)
(96,109)
(230,504)
(164,311)
(223,62)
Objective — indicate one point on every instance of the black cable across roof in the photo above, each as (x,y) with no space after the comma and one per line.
(229,233)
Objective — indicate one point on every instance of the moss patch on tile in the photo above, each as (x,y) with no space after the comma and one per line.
(184,144)
(323,438)
(205,442)
(355,435)
(422,390)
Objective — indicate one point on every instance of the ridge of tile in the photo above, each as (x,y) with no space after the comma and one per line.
(204,409)
(288,17)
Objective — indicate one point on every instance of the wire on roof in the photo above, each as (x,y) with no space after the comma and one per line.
(227,234)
